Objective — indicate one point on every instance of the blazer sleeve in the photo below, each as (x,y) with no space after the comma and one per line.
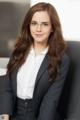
(48,108)
(6,96)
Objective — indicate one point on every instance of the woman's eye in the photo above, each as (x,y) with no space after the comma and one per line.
(33,23)
(45,24)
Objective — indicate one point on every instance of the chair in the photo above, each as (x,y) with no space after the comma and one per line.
(69,106)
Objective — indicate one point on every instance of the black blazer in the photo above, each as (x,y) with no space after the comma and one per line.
(46,94)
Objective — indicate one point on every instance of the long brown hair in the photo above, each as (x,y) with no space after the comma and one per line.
(56,41)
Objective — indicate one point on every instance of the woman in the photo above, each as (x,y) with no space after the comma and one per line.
(37,69)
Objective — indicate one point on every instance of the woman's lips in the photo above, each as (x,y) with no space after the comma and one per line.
(39,35)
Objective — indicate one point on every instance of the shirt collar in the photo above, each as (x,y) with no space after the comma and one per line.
(42,52)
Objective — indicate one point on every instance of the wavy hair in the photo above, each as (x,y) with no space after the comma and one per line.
(56,41)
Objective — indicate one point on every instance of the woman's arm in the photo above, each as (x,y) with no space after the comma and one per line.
(48,108)
(6,96)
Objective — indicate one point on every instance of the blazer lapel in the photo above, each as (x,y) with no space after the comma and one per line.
(42,69)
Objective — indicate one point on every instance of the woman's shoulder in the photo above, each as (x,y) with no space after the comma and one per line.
(65,61)
(65,58)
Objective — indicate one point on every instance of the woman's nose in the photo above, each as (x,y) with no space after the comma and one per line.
(38,27)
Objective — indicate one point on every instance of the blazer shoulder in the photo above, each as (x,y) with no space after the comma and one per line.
(65,59)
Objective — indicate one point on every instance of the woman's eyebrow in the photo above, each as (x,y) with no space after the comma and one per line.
(41,22)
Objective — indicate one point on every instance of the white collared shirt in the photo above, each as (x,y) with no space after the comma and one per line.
(27,74)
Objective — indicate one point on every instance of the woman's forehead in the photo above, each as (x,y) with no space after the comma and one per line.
(41,16)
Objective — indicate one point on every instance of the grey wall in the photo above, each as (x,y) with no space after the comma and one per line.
(11,17)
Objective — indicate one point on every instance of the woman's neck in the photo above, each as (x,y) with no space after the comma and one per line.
(39,48)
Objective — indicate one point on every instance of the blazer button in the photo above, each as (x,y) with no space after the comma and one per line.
(26,104)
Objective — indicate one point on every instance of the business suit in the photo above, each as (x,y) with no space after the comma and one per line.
(46,93)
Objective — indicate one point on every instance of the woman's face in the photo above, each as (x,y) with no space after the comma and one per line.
(40,27)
